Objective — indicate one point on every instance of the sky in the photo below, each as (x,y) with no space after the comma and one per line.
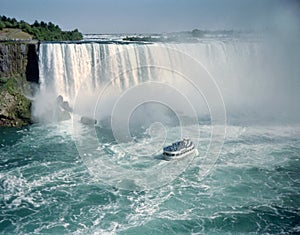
(152,16)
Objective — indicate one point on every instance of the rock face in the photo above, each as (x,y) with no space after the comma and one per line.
(18,68)
(14,108)
(63,109)
(88,121)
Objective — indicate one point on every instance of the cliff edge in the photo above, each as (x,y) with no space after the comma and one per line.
(18,70)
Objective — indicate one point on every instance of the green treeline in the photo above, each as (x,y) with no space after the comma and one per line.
(40,30)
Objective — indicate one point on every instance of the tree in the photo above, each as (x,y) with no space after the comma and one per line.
(197,33)
(36,24)
(2,25)
(51,26)
(4,18)
(8,24)
(41,31)
(14,22)
(43,24)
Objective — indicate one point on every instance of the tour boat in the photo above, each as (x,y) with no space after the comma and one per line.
(179,149)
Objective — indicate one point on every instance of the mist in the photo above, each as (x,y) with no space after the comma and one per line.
(249,80)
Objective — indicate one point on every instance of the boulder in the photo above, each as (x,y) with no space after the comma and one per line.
(88,121)
(63,109)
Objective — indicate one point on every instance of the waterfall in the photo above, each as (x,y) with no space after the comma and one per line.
(250,80)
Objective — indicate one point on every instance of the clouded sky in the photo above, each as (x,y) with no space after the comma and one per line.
(142,16)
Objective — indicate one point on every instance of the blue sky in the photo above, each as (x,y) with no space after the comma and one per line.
(148,16)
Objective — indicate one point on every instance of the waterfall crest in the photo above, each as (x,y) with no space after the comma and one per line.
(248,77)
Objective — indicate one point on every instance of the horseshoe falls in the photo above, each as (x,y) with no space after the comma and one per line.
(243,69)
(236,99)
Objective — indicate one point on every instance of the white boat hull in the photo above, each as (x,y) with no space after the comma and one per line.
(190,152)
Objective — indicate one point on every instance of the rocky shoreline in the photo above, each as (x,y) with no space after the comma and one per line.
(18,71)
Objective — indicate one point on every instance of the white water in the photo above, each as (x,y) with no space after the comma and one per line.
(250,187)
(255,82)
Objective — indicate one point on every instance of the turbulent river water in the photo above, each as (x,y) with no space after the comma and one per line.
(68,177)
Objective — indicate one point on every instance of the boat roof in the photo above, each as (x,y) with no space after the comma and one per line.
(177,145)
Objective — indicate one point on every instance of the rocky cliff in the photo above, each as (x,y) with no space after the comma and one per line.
(18,70)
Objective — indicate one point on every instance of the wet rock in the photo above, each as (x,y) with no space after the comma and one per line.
(88,121)
(15,108)
(63,115)
(63,109)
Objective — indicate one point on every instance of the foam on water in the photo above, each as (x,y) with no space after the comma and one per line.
(72,178)
(253,187)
